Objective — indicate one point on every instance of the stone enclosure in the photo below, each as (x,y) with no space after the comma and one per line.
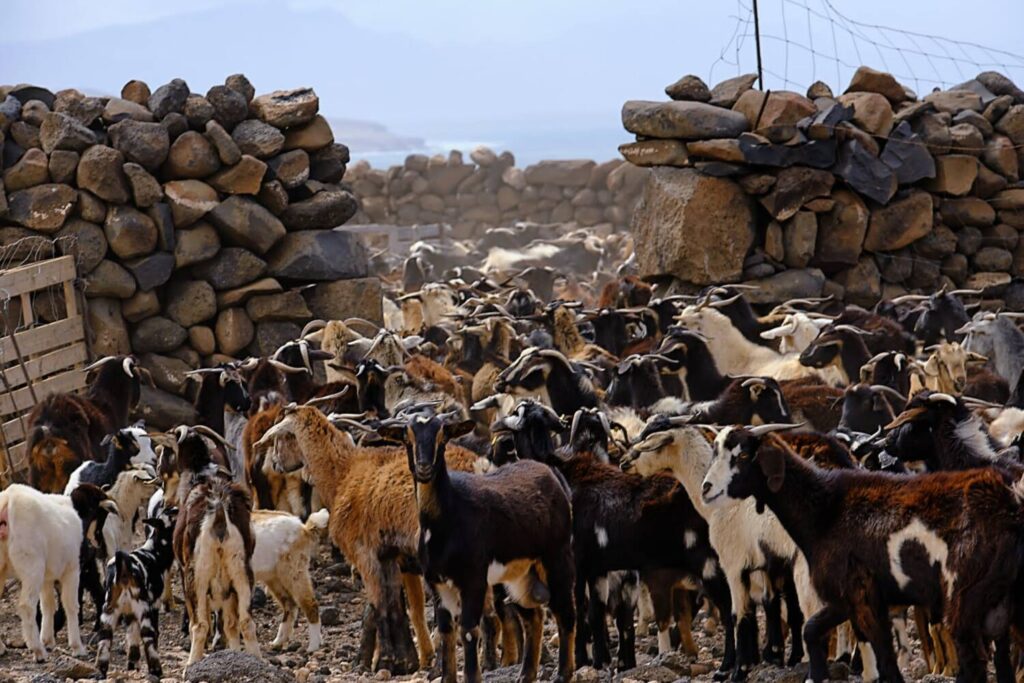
(865,194)
(202,224)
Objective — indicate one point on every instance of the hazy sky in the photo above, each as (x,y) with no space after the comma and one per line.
(497,70)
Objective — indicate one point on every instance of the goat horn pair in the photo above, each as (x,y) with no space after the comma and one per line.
(725,302)
(851,328)
(328,398)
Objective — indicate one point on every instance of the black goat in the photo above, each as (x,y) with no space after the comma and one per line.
(510,527)
(842,346)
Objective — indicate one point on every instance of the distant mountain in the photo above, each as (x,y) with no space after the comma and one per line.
(367,136)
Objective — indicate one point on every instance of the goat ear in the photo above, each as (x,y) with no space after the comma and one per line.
(773,465)
(457,429)
(396,433)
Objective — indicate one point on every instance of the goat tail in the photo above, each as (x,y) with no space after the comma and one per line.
(122,565)
(317,522)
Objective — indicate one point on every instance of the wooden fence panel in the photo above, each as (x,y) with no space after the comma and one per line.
(39,360)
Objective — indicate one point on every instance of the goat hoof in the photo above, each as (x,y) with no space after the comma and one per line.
(794,659)
(720,675)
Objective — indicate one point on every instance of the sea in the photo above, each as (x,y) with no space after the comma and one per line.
(528,145)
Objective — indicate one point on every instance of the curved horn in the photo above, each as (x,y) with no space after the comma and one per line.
(100,362)
(752,381)
(209,433)
(180,432)
(328,398)
(725,302)
(761,430)
(312,326)
(851,328)
(373,327)
(888,390)
(907,298)
(939,396)
(285,368)
(969,292)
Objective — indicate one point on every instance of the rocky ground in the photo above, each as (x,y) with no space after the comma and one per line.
(341,608)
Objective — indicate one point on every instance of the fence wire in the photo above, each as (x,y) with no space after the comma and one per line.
(804,40)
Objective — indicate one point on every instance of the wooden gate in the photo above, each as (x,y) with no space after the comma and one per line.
(38,359)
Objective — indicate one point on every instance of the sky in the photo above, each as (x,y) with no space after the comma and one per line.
(545,78)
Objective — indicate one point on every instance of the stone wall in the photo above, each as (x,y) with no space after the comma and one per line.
(198,222)
(866,194)
(489,190)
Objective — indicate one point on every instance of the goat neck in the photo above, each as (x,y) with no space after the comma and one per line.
(327,451)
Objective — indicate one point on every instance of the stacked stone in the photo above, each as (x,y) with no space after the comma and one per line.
(197,221)
(865,195)
(490,191)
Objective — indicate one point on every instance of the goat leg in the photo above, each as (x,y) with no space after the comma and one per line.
(774,647)
(816,632)
(598,628)
(511,627)
(533,627)
(490,629)
(626,655)
(368,641)
(582,627)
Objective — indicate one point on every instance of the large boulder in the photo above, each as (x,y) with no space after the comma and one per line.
(282,306)
(682,120)
(326,209)
(726,93)
(151,271)
(163,410)
(310,137)
(147,144)
(109,334)
(689,88)
(866,79)
(900,223)
(109,280)
(85,241)
(229,106)
(841,230)
(169,98)
(286,108)
(793,188)
(257,138)
(43,208)
(101,171)
(871,111)
(192,156)
(60,131)
(341,299)
(130,232)
(234,330)
(195,244)
(954,174)
(157,334)
(795,283)
(695,227)
(32,169)
(775,113)
(319,255)
(564,173)
(245,223)
(189,200)
(190,302)
(231,267)
(245,177)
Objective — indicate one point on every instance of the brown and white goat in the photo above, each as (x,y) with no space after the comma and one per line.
(213,544)
(373,509)
(873,540)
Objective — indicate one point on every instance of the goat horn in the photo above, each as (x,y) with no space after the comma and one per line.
(180,432)
(761,430)
(681,419)
(725,302)
(100,362)
(972,292)
(337,420)
(906,298)
(207,432)
(888,390)
(752,381)
(312,326)
(877,357)
(285,368)
(328,398)
(248,363)
(374,327)
(977,402)
(1007,314)
(304,352)
(939,396)
(851,328)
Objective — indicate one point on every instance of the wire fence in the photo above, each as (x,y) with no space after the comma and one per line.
(803,41)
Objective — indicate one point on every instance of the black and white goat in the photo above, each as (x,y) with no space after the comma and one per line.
(133,593)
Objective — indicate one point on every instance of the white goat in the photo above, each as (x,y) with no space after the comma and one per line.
(132,489)
(796,332)
(40,541)
(280,560)
(736,355)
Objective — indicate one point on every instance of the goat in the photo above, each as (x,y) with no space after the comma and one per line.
(940,317)
(755,552)
(355,482)
(130,491)
(66,429)
(283,548)
(511,527)
(550,376)
(946,368)
(134,590)
(797,331)
(841,348)
(41,537)
(213,545)
(996,337)
(125,448)
(855,527)
(621,522)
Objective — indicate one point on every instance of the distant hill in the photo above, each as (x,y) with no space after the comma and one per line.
(367,136)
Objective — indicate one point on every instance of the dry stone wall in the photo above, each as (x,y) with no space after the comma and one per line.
(202,224)
(489,190)
(866,194)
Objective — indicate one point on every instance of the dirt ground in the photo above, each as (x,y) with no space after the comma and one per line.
(341,608)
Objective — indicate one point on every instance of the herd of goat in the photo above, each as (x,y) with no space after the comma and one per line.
(522,447)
